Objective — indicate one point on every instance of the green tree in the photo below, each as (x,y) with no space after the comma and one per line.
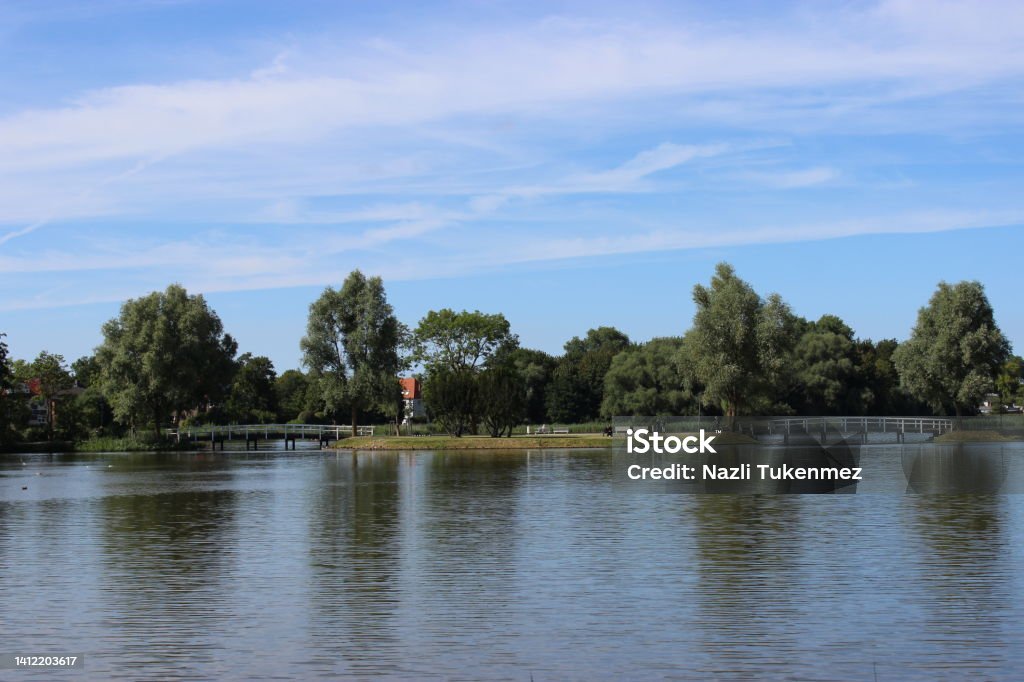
(888,397)
(252,397)
(52,376)
(649,379)
(296,395)
(742,342)
(91,412)
(461,340)
(577,386)
(535,369)
(87,413)
(454,347)
(86,370)
(954,351)
(450,396)
(826,367)
(1010,382)
(352,346)
(165,352)
(501,399)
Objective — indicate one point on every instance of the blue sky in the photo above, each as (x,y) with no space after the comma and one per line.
(570,165)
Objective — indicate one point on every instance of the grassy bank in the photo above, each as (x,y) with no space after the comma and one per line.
(487,443)
(471,442)
(976,437)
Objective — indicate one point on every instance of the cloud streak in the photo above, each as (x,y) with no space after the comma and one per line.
(446,150)
(529,69)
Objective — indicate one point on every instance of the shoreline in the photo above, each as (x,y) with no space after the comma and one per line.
(546,442)
(443,443)
(472,442)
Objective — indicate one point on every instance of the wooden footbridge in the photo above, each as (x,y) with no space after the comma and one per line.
(253,434)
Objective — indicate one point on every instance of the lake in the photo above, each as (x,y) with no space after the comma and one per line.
(487,565)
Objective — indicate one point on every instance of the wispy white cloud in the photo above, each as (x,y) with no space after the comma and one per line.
(793,179)
(71,206)
(444,142)
(204,266)
(531,68)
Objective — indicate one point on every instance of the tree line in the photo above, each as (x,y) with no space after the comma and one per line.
(166,359)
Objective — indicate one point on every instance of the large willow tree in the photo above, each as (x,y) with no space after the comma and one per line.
(352,347)
(740,342)
(955,351)
(164,353)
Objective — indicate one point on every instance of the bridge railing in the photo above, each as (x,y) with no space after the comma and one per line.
(268,431)
(935,425)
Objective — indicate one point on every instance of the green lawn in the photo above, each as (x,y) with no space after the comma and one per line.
(487,443)
(472,442)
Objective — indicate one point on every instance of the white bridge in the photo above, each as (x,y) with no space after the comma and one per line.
(933,425)
(780,429)
(252,434)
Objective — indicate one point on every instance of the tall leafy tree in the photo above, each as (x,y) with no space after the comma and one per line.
(649,379)
(888,397)
(955,350)
(535,369)
(826,366)
(252,396)
(451,398)
(461,340)
(454,347)
(742,342)
(501,399)
(577,386)
(352,346)
(164,353)
(91,410)
(52,376)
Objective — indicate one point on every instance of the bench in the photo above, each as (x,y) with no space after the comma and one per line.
(565,431)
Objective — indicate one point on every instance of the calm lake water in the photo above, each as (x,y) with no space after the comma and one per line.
(493,566)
